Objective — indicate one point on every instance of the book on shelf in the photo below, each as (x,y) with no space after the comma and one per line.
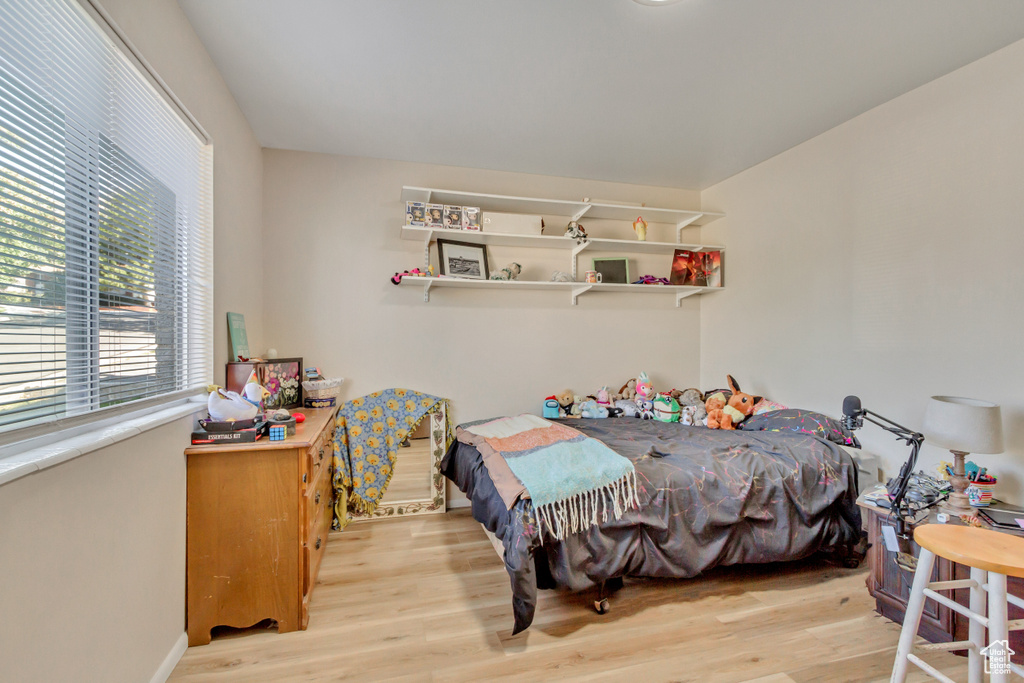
(696,268)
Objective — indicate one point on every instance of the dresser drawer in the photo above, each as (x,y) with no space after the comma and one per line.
(317,500)
(319,455)
(313,552)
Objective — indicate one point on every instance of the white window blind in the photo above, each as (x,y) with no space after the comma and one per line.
(105,225)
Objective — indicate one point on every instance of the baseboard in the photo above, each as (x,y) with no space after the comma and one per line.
(163,672)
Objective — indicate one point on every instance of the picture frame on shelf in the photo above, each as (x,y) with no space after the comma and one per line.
(462,259)
(282,377)
(613,270)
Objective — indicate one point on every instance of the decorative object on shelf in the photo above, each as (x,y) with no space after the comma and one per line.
(462,259)
(593,277)
(396,279)
(453,217)
(640,228)
(613,270)
(963,425)
(561,276)
(435,216)
(237,337)
(713,268)
(509,272)
(651,280)
(415,214)
(575,231)
(688,268)
(280,377)
(471,218)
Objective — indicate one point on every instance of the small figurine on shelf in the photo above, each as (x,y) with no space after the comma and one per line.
(561,276)
(509,272)
(576,232)
(415,272)
(640,228)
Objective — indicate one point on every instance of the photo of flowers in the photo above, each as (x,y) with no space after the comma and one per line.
(282,377)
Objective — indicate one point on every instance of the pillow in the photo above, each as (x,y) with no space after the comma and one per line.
(803,422)
(766,406)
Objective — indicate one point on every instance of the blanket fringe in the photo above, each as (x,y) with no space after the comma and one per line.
(577,513)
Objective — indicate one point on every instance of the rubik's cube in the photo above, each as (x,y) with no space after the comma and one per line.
(278,433)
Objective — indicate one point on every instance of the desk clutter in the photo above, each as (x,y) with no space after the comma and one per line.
(261,404)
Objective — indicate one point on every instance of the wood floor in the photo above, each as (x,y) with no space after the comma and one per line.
(427,599)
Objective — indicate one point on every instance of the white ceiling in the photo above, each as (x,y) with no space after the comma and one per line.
(683,95)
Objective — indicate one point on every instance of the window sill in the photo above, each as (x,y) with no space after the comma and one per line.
(22,464)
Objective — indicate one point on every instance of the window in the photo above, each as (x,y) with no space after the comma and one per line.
(105,225)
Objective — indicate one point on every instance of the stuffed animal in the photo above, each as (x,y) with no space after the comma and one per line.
(576,231)
(509,272)
(714,405)
(687,415)
(552,411)
(644,397)
(577,406)
(666,409)
(603,399)
(565,401)
(230,406)
(592,410)
(692,398)
(628,408)
(628,391)
(561,276)
(739,407)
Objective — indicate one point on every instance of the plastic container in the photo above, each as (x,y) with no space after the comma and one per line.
(321,393)
(979,494)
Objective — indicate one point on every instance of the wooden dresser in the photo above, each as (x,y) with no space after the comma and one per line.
(890,586)
(258,517)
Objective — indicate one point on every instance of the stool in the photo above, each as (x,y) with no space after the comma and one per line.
(992,556)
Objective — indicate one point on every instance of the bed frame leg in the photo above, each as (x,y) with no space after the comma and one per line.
(604,589)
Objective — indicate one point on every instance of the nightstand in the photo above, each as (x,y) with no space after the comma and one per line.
(889,585)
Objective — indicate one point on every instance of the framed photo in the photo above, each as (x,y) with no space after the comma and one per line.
(462,259)
(613,270)
(282,377)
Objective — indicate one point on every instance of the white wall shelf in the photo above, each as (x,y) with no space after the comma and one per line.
(575,289)
(559,207)
(500,239)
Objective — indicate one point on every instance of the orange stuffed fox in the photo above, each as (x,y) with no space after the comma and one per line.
(724,414)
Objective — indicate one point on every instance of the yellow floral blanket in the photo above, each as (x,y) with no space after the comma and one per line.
(368,433)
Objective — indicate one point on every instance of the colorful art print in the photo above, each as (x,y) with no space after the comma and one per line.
(453,217)
(462,259)
(613,270)
(713,268)
(415,213)
(688,269)
(435,215)
(471,218)
(281,377)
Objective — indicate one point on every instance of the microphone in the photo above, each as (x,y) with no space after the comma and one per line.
(852,413)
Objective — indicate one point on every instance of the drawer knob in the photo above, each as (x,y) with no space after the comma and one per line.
(318,543)
(317,499)
(321,453)
(303,477)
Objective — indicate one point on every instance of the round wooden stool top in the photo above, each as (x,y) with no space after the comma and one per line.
(981,548)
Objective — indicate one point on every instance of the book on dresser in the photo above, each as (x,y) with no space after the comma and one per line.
(257,524)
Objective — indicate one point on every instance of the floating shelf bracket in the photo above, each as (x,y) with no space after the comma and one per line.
(681,225)
(426,250)
(576,291)
(579,214)
(427,285)
(682,295)
(576,251)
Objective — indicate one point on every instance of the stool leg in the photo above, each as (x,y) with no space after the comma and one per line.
(997,624)
(975,660)
(912,619)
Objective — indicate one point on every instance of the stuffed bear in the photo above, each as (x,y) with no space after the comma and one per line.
(577,406)
(591,409)
(739,407)
(565,401)
(627,392)
(692,398)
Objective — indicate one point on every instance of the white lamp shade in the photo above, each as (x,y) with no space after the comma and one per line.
(964,424)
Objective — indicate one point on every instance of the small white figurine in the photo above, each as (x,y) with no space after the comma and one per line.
(640,228)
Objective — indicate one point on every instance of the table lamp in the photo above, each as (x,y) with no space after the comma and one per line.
(963,425)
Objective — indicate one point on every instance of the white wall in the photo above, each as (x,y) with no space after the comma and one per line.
(332,235)
(883,259)
(92,551)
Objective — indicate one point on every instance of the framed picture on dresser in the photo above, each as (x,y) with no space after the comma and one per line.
(282,377)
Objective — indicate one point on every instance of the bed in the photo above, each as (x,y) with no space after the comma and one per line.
(707,498)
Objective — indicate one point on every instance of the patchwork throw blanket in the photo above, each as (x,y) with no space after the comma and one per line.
(573,481)
(368,433)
